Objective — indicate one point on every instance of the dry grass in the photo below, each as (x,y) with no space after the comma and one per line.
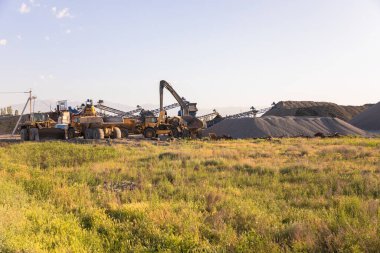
(255,195)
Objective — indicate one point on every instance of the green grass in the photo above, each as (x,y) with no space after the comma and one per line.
(298,195)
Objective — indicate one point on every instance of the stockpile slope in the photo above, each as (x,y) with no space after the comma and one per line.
(320,109)
(7,123)
(289,126)
(369,119)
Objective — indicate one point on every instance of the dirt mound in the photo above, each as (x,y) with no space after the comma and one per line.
(7,123)
(369,119)
(320,109)
(282,127)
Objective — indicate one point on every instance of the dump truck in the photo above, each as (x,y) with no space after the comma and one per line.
(86,123)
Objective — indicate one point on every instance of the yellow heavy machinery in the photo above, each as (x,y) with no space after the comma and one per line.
(37,125)
(149,125)
(88,124)
(186,122)
(184,125)
(40,126)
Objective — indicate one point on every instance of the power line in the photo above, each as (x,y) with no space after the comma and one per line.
(10,92)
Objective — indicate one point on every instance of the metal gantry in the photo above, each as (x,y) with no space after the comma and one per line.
(168,107)
(209,116)
(251,113)
(120,113)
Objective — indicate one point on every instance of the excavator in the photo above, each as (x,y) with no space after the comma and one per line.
(184,125)
(191,125)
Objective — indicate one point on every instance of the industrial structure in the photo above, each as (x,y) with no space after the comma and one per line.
(89,121)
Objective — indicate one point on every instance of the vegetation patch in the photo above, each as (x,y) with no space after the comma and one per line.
(300,195)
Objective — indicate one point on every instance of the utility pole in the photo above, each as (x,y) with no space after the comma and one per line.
(22,113)
(23,110)
(30,105)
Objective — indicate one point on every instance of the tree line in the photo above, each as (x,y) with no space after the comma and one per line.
(8,111)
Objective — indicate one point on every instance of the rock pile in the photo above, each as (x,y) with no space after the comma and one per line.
(273,126)
(369,119)
(320,109)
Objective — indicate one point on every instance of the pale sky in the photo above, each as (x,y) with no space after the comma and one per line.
(214,52)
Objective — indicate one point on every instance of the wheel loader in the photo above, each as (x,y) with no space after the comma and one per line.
(151,126)
(41,126)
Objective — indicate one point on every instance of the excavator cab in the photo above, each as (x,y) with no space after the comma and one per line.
(193,109)
(151,120)
(40,117)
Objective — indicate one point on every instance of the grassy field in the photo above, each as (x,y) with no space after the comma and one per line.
(313,195)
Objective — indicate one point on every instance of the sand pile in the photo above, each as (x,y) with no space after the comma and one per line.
(369,119)
(282,127)
(320,109)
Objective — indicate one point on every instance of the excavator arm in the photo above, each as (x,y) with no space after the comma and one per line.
(188,109)
(184,105)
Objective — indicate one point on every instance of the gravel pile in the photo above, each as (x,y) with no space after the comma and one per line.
(369,119)
(289,126)
(319,109)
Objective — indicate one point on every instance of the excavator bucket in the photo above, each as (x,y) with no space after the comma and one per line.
(193,122)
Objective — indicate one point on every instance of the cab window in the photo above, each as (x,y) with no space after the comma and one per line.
(151,120)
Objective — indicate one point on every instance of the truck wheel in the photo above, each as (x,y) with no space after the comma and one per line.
(98,134)
(33,134)
(149,133)
(24,135)
(185,133)
(71,133)
(126,133)
(88,134)
(116,134)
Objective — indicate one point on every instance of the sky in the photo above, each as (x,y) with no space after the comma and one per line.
(217,53)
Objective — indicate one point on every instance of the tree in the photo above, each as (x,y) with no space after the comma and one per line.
(9,110)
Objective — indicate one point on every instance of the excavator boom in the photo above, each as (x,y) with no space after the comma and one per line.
(184,104)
